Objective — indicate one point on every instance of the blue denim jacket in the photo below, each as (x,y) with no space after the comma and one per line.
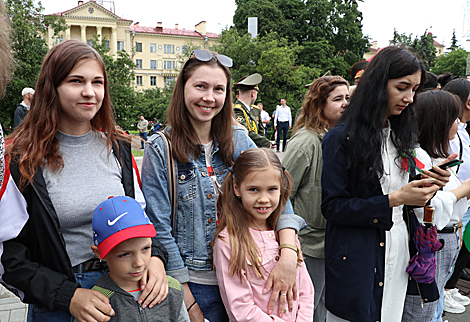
(196,215)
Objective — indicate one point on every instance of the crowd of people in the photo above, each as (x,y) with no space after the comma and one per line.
(218,229)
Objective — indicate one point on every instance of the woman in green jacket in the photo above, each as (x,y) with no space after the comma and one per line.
(323,105)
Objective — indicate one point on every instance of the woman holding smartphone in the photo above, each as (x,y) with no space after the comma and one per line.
(367,162)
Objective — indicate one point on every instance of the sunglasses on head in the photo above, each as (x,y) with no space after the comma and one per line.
(204,55)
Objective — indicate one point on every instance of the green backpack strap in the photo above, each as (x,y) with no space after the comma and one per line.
(105,292)
(174,283)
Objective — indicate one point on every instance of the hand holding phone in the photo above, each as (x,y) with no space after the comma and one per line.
(444,166)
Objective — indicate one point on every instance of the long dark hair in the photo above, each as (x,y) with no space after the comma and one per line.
(183,136)
(33,142)
(436,112)
(365,115)
(461,88)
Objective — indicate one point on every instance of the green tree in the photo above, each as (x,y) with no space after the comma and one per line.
(29,49)
(453,42)
(153,103)
(274,57)
(401,40)
(423,46)
(454,62)
(333,26)
(119,68)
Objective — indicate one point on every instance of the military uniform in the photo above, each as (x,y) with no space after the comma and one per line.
(250,119)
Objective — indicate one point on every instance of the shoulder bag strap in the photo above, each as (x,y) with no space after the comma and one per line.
(171,172)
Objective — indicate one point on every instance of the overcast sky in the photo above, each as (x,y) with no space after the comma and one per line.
(380,16)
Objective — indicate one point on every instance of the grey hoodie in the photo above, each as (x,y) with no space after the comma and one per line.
(128,310)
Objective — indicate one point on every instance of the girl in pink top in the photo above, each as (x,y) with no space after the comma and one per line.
(246,246)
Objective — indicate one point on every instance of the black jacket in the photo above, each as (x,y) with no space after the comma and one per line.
(36,262)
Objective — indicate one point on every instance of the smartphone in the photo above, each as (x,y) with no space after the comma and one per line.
(444,166)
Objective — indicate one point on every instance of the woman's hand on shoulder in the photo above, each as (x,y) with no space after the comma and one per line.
(282,281)
(90,306)
(414,193)
(154,284)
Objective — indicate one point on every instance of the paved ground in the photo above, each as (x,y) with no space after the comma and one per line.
(11,308)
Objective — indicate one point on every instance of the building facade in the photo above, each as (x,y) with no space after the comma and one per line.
(154,50)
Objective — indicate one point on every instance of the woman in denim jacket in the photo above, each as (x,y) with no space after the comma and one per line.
(204,144)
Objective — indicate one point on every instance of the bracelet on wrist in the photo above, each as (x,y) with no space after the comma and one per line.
(190,307)
(294,248)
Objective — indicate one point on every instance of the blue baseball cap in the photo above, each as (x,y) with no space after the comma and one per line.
(119,219)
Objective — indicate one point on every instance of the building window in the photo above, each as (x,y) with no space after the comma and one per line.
(184,49)
(169,49)
(169,64)
(120,45)
(89,42)
(138,80)
(59,40)
(153,64)
(169,80)
(153,48)
(153,80)
(138,62)
(106,44)
(138,47)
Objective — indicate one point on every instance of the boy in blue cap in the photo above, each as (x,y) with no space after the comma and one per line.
(122,236)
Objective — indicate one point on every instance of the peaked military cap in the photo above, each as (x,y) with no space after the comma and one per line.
(358,68)
(248,82)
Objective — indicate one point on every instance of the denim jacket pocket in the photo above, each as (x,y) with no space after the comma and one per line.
(187,183)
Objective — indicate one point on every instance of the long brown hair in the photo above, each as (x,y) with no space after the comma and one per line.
(311,115)
(183,136)
(234,215)
(33,143)
(6,58)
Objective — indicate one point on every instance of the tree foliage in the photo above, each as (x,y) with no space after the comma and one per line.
(453,42)
(29,49)
(423,46)
(274,57)
(454,62)
(332,26)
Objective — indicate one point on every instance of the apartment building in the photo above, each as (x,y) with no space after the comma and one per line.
(154,50)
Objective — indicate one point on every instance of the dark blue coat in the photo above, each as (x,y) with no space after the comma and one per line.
(358,214)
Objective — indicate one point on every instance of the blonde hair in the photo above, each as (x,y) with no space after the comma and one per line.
(235,217)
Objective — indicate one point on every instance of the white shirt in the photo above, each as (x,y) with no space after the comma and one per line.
(265,117)
(449,211)
(283,115)
(462,135)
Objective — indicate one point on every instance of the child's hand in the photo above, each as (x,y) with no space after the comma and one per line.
(283,277)
(90,306)
(154,284)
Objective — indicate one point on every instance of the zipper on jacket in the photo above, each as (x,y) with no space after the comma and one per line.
(141,311)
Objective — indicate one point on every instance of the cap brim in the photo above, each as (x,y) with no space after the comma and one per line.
(133,232)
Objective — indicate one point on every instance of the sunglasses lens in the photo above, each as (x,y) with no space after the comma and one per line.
(202,55)
(225,60)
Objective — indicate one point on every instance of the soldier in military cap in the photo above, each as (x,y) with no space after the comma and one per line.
(247,114)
